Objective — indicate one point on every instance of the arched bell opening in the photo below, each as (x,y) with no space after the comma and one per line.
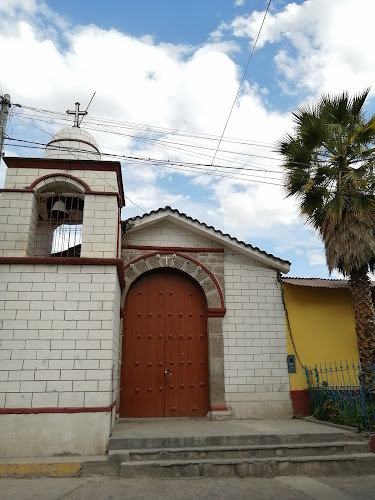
(59,205)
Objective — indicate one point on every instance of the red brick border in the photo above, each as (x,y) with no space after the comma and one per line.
(27,411)
(173,249)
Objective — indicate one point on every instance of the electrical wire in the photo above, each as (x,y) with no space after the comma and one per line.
(129,125)
(242,80)
(172,145)
(198,155)
(174,166)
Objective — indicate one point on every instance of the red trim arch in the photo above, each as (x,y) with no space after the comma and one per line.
(212,312)
(57,174)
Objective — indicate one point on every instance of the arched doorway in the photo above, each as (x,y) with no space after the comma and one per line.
(165,348)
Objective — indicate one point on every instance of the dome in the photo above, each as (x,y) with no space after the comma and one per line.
(72,143)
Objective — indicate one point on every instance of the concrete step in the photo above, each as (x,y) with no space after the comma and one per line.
(101,466)
(340,465)
(120,441)
(251,451)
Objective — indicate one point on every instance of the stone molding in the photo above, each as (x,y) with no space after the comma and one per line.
(182,262)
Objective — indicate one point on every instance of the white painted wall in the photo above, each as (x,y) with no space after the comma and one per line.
(100,226)
(59,335)
(256,375)
(167,234)
(16,224)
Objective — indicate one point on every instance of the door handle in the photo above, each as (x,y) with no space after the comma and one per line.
(165,371)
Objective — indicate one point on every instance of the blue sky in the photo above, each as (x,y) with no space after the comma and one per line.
(165,75)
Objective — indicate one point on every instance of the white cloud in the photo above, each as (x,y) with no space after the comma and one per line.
(316,258)
(239,3)
(163,85)
(330,44)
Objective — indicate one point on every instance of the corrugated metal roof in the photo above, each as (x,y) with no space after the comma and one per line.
(177,212)
(319,282)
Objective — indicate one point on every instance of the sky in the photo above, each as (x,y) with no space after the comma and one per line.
(165,75)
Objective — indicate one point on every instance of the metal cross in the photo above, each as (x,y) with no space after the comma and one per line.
(77,113)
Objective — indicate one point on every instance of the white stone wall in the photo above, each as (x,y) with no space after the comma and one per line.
(256,376)
(16,224)
(116,348)
(22,178)
(168,234)
(59,335)
(100,226)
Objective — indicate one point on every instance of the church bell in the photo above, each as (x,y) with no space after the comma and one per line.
(59,211)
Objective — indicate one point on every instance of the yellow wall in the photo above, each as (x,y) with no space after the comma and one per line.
(322,322)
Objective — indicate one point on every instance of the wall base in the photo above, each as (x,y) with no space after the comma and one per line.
(45,435)
(221,415)
(261,410)
(301,402)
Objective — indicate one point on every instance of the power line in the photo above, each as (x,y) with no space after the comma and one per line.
(242,80)
(93,95)
(168,144)
(168,161)
(171,131)
(193,168)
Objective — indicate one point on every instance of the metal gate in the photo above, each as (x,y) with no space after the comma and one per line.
(165,348)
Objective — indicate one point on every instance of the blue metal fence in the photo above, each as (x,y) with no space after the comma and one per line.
(339,393)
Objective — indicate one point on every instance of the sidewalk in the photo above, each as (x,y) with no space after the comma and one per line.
(107,488)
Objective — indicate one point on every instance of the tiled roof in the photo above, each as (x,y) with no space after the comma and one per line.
(225,235)
(317,282)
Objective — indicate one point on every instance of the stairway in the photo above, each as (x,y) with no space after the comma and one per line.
(256,455)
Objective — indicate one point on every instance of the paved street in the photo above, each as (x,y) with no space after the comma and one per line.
(108,488)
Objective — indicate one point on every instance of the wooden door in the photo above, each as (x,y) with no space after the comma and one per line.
(165,348)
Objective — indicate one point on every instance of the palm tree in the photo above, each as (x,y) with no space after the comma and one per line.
(330,169)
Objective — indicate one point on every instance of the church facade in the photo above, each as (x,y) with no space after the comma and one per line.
(156,316)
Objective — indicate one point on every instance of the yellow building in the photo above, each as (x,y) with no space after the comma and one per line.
(322,326)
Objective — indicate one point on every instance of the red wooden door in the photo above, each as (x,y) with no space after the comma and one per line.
(165,348)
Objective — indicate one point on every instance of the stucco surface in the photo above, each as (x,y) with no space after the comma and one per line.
(322,323)
(44,435)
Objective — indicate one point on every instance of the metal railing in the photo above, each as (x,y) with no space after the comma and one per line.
(340,393)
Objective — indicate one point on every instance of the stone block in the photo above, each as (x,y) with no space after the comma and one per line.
(217,392)
(215,326)
(46,400)
(216,368)
(20,400)
(71,399)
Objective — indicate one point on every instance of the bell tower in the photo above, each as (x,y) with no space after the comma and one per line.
(60,280)
(66,204)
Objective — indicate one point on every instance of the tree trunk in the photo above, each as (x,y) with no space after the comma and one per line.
(364,321)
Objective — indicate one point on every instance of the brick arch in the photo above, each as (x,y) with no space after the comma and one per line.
(73,180)
(181,262)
